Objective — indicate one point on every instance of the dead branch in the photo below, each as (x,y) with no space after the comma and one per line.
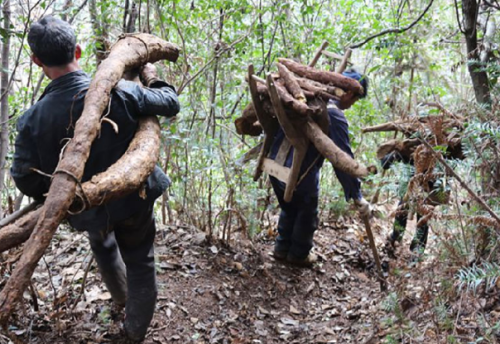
(18,214)
(398,31)
(292,103)
(451,171)
(320,91)
(389,126)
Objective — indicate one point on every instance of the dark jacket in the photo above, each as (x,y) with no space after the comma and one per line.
(44,129)
(309,183)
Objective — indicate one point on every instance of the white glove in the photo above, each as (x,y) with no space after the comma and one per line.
(365,209)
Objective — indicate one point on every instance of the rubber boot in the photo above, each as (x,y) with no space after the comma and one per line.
(420,239)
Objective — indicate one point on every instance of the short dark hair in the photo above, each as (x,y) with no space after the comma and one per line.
(362,79)
(53,41)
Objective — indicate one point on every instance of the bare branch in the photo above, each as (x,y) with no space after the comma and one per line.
(398,31)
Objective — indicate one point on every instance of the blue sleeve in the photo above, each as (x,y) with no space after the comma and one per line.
(25,158)
(339,133)
(158,100)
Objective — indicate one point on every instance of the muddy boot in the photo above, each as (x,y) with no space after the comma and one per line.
(138,315)
(306,262)
(279,254)
(420,239)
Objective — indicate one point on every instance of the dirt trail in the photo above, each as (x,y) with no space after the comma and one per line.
(209,293)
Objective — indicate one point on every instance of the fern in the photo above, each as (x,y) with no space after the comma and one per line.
(471,278)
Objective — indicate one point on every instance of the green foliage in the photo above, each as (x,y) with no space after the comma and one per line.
(471,278)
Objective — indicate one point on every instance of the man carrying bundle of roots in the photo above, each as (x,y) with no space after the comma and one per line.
(121,232)
(299,218)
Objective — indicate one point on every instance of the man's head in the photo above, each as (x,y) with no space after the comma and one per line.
(53,43)
(350,98)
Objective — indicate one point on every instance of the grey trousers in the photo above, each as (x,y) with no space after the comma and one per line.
(125,255)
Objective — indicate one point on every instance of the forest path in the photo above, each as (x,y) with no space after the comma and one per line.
(210,293)
(240,294)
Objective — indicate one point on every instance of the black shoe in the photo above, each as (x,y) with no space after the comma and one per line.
(420,240)
(280,255)
(306,262)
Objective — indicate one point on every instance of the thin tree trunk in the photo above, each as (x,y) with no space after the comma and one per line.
(479,77)
(100,33)
(4,112)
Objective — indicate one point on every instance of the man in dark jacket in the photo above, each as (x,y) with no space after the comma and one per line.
(299,218)
(121,232)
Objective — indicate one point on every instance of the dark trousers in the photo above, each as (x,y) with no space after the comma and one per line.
(297,222)
(420,239)
(125,255)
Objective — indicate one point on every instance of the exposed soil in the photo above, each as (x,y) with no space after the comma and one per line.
(210,293)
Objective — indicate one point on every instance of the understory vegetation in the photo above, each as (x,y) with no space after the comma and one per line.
(416,54)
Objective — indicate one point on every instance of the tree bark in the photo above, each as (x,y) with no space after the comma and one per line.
(479,77)
(130,52)
(291,83)
(309,87)
(293,104)
(4,90)
(488,25)
(324,77)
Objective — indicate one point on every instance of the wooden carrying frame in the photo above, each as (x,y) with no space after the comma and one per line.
(294,136)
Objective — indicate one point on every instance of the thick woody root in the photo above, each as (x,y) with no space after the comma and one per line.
(129,52)
(332,153)
(123,177)
(248,123)
(404,147)
(291,83)
(18,232)
(298,94)
(324,77)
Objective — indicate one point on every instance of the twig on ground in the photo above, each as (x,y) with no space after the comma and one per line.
(84,281)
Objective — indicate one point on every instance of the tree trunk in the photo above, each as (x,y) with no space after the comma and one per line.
(479,78)
(130,52)
(101,36)
(4,111)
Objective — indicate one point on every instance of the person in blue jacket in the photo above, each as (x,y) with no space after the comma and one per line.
(299,218)
(121,232)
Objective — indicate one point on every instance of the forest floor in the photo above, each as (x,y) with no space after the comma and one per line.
(213,293)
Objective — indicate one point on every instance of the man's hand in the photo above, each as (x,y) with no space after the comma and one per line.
(148,74)
(366,209)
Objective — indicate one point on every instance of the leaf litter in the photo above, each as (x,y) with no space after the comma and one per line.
(212,293)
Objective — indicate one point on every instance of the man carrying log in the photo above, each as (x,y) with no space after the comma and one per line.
(121,232)
(299,218)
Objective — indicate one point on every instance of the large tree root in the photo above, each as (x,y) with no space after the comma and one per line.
(324,77)
(332,152)
(123,177)
(129,52)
